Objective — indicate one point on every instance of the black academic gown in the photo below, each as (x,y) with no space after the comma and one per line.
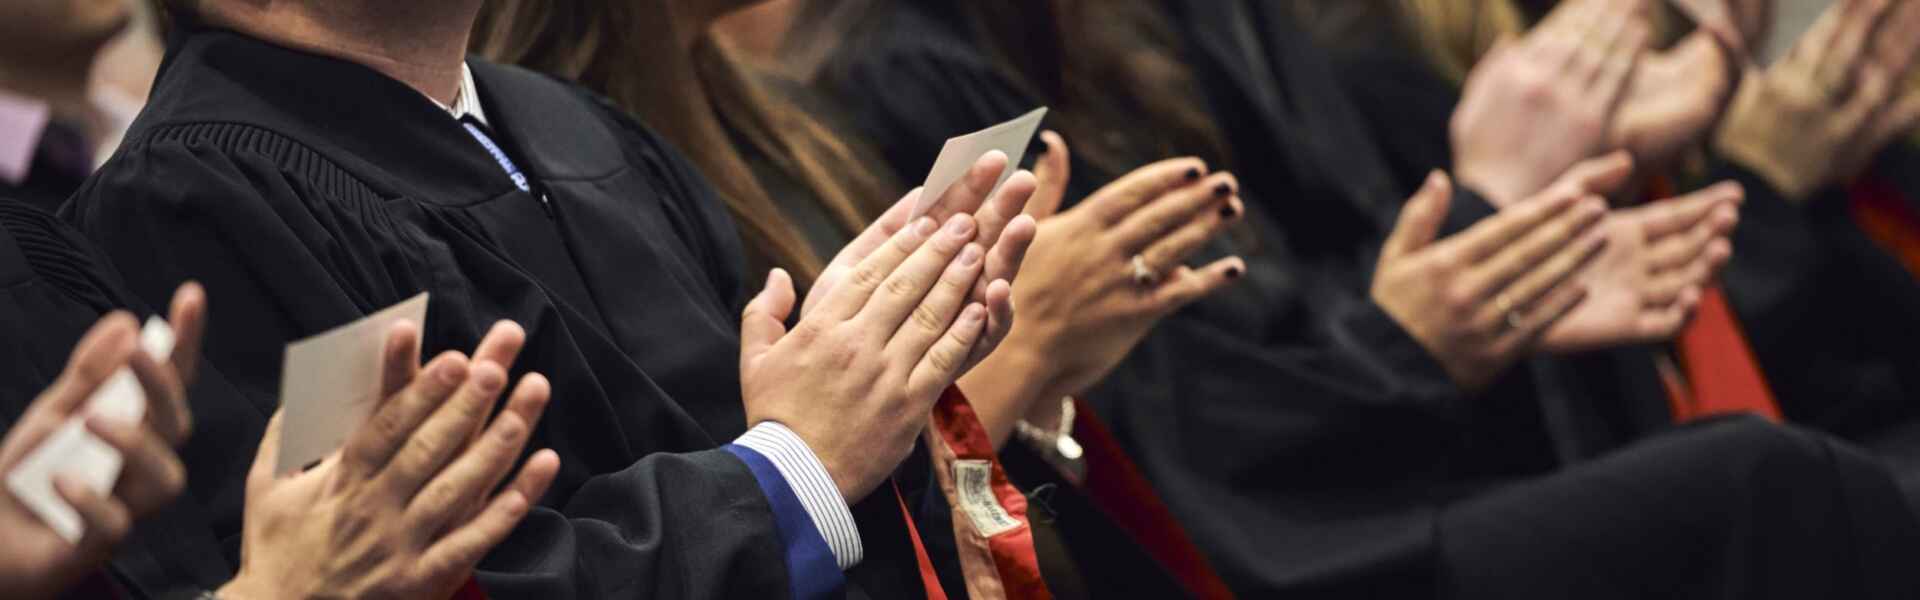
(53,288)
(48,184)
(1311,447)
(306,192)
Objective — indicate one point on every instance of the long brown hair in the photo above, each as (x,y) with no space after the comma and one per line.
(604,46)
(1102,62)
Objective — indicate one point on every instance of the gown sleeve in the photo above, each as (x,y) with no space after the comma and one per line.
(285,254)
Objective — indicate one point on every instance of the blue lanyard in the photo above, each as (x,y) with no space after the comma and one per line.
(499,156)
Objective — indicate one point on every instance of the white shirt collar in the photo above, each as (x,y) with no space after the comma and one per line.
(466,99)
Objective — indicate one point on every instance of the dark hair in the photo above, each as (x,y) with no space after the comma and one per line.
(1100,63)
(597,44)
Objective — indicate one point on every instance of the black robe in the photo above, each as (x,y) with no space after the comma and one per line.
(1313,448)
(306,192)
(53,288)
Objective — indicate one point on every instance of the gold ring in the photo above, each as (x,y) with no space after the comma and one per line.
(1505,307)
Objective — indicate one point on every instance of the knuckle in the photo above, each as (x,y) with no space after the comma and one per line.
(866,276)
(927,319)
(901,287)
(947,358)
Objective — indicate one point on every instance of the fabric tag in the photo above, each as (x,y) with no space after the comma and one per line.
(330,383)
(973,479)
(959,154)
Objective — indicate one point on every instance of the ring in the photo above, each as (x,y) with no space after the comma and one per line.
(1505,307)
(1143,276)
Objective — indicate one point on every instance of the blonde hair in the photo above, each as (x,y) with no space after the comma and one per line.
(1454,34)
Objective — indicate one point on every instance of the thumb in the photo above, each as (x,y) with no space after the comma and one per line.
(765,320)
(261,476)
(1054,171)
(1420,219)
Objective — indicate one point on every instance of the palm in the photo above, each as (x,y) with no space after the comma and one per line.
(1616,303)
(1671,101)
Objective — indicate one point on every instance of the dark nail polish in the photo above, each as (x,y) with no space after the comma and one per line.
(1223,190)
(1227,211)
(1193,173)
(1233,272)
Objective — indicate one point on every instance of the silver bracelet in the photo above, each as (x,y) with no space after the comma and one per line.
(1057,447)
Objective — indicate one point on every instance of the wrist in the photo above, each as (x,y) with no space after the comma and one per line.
(1009,384)
(245,587)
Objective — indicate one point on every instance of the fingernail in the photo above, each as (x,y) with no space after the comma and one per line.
(960,226)
(925,226)
(974,313)
(1233,272)
(971,255)
(453,373)
(1193,173)
(1227,211)
(1223,190)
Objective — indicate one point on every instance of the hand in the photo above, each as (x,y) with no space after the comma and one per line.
(858,374)
(1673,100)
(1479,300)
(1082,309)
(1819,116)
(402,510)
(1658,259)
(1003,231)
(1533,108)
(35,562)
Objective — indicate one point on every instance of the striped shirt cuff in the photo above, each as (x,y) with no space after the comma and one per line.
(812,484)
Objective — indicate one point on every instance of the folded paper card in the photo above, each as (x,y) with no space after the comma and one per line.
(959,154)
(74,451)
(331,382)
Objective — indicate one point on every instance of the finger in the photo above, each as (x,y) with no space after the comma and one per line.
(105,348)
(1187,285)
(854,290)
(1547,313)
(1172,210)
(942,363)
(476,471)
(104,520)
(900,291)
(463,547)
(1610,81)
(1665,322)
(1842,61)
(1006,263)
(1874,88)
(265,457)
(1557,41)
(1534,250)
(1605,40)
(1008,202)
(1557,271)
(188,318)
(1669,217)
(400,358)
(925,318)
(1680,248)
(372,445)
(434,444)
(1420,219)
(870,239)
(1605,175)
(1665,287)
(1489,236)
(1899,39)
(765,320)
(1000,318)
(166,397)
(151,475)
(1116,201)
(1899,120)
(1811,50)
(1174,248)
(502,344)
(970,193)
(1053,170)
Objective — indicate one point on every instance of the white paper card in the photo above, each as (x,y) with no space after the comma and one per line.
(71,450)
(960,153)
(331,382)
(75,451)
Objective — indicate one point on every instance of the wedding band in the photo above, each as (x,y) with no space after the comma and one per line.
(1143,276)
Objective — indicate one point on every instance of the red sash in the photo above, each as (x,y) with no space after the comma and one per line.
(1885,216)
(1718,372)
(1115,485)
(990,528)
